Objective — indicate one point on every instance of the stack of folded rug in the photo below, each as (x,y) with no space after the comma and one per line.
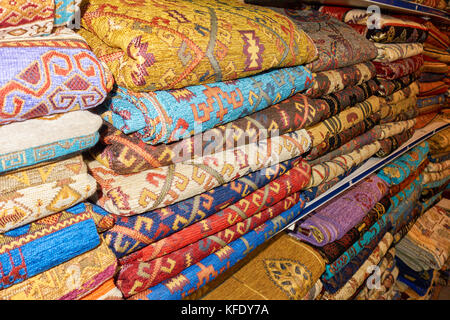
(200,153)
(50,246)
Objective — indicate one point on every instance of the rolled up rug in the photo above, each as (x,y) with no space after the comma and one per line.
(330,81)
(389,145)
(333,250)
(264,198)
(338,45)
(37,247)
(436,37)
(399,68)
(170,115)
(210,41)
(156,188)
(390,110)
(205,271)
(130,234)
(390,52)
(49,75)
(325,226)
(70,280)
(38,140)
(289,269)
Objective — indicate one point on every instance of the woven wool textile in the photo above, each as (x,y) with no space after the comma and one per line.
(290,182)
(431,77)
(288,269)
(166,116)
(196,276)
(159,46)
(45,173)
(388,87)
(349,288)
(69,280)
(25,18)
(436,37)
(340,278)
(330,81)
(333,250)
(34,141)
(389,52)
(36,247)
(398,68)
(407,92)
(137,276)
(326,225)
(128,154)
(389,145)
(333,142)
(29,204)
(106,291)
(48,75)
(65,11)
(326,171)
(134,232)
(343,120)
(338,45)
(160,187)
(432,88)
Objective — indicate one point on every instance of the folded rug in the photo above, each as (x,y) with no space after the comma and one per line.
(338,45)
(336,269)
(436,167)
(198,275)
(325,226)
(30,142)
(151,47)
(26,18)
(45,173)
(429,177)
(436,37)
(410,91)
(419,281)
(340,278)
(388,87)
(427,244)
(398,170)
(324,172)
(390,52)
(128,154)
(356,143)
(429,192)
(69,280)
(430,100)
(436,53)
(330,81)
(288,269)
(48,75)
(136,276)
(398,68)
(333,250)
(358,278)
(171,115)
(436,156)
(26,205)
(156,188)
(343,120)
(434,66)
(132,233)
(432,88)
(414,173)
(439,141)
(433,109)
(264,198)
(389,145)
(106,291)
(333,142)
(431,77)
(387,272)
(37,247)
(391,129)
(392,109)
(385,28)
